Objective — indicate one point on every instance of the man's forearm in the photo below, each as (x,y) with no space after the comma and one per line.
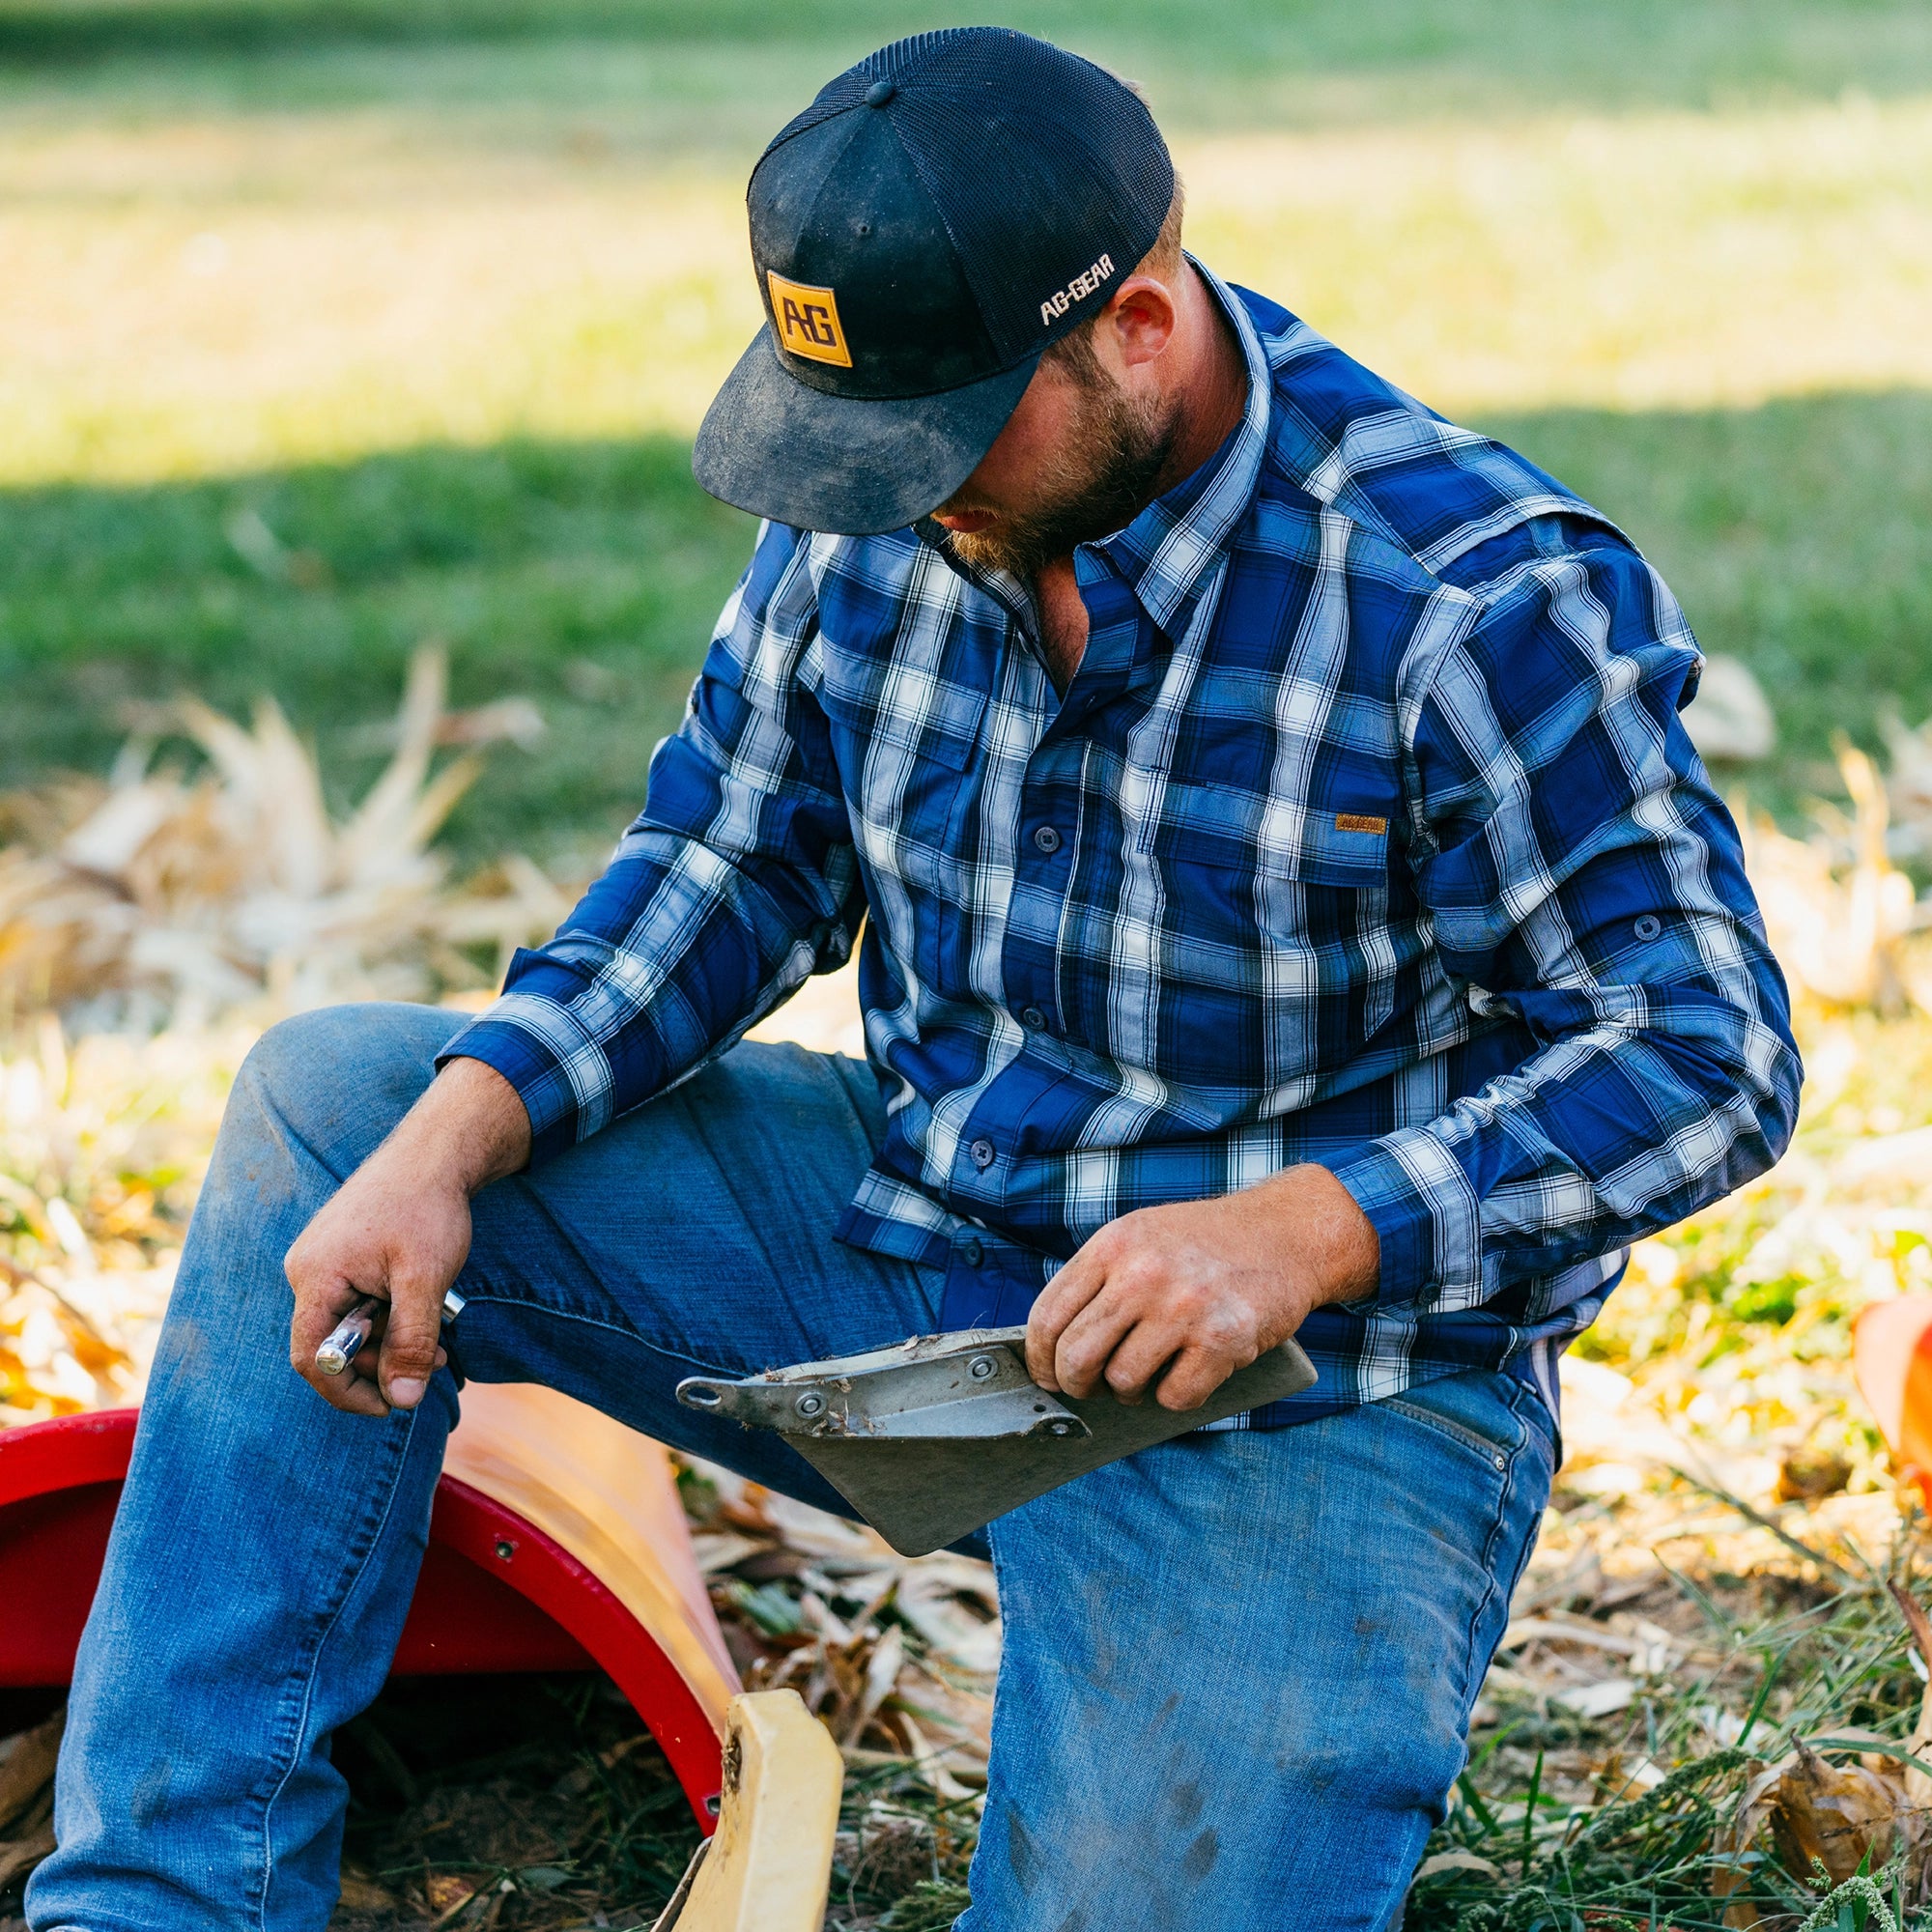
(469,1127)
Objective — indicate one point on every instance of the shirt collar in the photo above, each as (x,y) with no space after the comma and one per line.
(1167,556)
(1170,551)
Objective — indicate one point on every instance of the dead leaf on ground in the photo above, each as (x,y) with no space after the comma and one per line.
(1810,1473)
(448,1894)
(19,1856)
(27,1765)
(361,1894)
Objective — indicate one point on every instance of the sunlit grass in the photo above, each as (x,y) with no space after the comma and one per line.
(186,297)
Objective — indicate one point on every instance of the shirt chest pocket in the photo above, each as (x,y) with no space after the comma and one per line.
(1256,903)
(905,743)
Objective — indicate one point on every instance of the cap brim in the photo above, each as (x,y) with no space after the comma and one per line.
(846,464)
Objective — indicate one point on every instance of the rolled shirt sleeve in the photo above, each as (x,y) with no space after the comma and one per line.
(736,882)
(1586,884)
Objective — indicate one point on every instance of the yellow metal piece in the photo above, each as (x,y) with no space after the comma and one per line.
(607,1496)
(769,1865)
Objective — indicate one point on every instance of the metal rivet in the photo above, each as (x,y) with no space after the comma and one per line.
(1502,1462)
(1060,1429)
(980,1367)
(810,1403)
(505,1549)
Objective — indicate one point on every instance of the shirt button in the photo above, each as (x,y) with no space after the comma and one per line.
(1034,1019)
(1046,839)
(1648,926)
(983,1153)
(971,1252)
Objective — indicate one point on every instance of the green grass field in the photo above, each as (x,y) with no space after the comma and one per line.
(1799,535)
(437,293)
(328,326)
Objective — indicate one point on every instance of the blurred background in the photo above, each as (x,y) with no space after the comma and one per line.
(328,326)
(350,356)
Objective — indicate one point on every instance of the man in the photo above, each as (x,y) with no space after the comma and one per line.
(1290,905)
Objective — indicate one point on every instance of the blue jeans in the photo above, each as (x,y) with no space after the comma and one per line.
(1239,1668)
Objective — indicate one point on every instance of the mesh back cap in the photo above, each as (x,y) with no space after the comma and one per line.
(940,214)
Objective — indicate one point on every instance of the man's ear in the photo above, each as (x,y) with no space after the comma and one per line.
(1142,318)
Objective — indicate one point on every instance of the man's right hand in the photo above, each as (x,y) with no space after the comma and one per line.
(399,1230)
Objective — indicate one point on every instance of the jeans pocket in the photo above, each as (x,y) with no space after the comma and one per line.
(1490,1428)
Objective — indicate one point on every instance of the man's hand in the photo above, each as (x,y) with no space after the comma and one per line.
(1200,1288)
(399,1230)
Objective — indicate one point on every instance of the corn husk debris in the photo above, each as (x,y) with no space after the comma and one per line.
(153,897)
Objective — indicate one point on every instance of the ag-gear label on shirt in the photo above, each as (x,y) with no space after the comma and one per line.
(808,321)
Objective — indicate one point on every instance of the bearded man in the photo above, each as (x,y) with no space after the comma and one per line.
(1287,905)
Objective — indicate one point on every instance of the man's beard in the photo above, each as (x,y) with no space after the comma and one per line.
(1102,479)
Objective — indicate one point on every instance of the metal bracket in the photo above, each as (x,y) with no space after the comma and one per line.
(932,1438)
(967,1387)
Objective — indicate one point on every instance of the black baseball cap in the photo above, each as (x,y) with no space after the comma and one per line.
(939,215)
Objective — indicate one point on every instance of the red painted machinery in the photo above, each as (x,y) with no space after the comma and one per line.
(556,1543)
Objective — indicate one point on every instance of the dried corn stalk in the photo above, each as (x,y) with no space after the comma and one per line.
(1837,911)
(151,896)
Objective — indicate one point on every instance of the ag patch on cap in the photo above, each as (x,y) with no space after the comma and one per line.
(808,319)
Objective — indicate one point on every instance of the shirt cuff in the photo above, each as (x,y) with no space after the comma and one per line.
(560,1074)
(1427,1217)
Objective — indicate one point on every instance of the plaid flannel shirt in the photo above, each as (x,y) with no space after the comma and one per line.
(1366,834)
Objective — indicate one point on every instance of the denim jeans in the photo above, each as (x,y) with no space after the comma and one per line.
(1239,1669)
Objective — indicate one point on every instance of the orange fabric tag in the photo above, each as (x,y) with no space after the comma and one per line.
(808,319)
(1359,822)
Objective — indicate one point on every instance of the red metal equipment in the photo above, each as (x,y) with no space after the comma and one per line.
(556,1543)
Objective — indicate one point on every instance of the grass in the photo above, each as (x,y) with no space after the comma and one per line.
(1254,60)
(221,288)
(439,293)
(435,294)
(587,574)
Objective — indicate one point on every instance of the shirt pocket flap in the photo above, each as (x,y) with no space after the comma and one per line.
(1220,827)
(904,705)
(1345,848)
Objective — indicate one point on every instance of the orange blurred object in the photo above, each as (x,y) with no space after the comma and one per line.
(1891,1356)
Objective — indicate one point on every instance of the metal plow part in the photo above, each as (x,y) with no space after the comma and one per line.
(933,1437)
(769,1865)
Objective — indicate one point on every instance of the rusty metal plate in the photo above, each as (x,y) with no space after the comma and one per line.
(934,1437)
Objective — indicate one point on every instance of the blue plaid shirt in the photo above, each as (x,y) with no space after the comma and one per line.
(1366,834)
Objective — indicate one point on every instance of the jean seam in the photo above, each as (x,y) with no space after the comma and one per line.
(376,1524)
(495,1299)
(1471,1686)
(1459,1431)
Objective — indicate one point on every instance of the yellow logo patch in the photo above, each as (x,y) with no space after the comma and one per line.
(1359,822)
(808,321)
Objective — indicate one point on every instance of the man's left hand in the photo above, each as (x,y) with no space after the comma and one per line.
(1200,1288)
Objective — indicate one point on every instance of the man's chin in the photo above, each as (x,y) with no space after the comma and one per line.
(992,547)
